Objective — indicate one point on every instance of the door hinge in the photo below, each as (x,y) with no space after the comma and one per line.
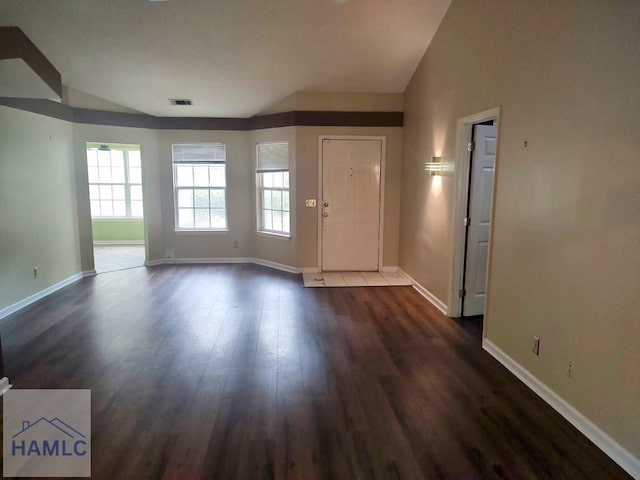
(462,292)
(471,146)
(466,222)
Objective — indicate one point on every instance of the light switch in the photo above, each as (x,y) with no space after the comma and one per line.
(310,202)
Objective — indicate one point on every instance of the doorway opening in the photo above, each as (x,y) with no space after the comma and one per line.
(351,203)
(476,160)
(116,198)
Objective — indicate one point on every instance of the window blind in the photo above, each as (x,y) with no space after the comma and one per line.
(272,157)
(194,153)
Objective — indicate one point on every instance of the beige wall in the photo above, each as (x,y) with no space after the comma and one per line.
(269,247)
(239,198)
(152,189)
(301,250)
(566,239)
(38,225)
(162,241)
(307,187)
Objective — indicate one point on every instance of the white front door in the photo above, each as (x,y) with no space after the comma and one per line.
(480,197)
(350,204)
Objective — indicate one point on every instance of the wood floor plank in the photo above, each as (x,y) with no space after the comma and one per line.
(237,371)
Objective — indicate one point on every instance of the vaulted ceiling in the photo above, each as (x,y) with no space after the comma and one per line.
(233,58)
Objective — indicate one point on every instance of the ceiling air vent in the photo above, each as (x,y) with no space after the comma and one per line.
(180,101)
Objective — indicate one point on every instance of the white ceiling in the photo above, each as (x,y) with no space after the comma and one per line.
(231,57)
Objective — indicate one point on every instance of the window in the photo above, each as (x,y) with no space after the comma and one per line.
(115,180)
(272,179)
(200,180)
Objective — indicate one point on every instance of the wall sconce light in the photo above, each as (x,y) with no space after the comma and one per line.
(435,166)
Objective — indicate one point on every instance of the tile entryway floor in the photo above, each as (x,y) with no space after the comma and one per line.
(108,258)
(354,279)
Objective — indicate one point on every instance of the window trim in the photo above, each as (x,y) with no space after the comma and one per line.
(176,189)
(259,188)
(125,149)
(117,219)
(281,236)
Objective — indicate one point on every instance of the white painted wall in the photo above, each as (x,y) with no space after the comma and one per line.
(38,222)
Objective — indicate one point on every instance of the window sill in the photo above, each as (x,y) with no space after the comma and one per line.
(201,232)
(117,219)
(282,236)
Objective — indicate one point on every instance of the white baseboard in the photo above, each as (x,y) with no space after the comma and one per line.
(89,273)
(118,242)
(435,301)
(5,386)
(249,260)
(172,261)
(389,269)
(590,430)
(284,268)
(5,312)
(153,263)
(275,265)
(308,270)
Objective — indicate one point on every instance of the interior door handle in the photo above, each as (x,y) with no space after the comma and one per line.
(326,204)
(325,214)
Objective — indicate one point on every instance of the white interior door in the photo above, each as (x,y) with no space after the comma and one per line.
(350,205)
(480,197)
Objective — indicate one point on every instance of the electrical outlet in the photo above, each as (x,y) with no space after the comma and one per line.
(535,348)
(570,368)
(35,272)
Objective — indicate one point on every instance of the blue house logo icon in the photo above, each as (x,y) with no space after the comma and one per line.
(48,438)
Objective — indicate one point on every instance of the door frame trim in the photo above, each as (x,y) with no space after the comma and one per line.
(383,140)
(464,131)
(87,201)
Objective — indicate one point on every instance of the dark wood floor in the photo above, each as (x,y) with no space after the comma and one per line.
(239,372)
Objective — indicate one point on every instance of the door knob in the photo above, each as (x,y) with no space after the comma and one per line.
(326,204)
(325,214)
